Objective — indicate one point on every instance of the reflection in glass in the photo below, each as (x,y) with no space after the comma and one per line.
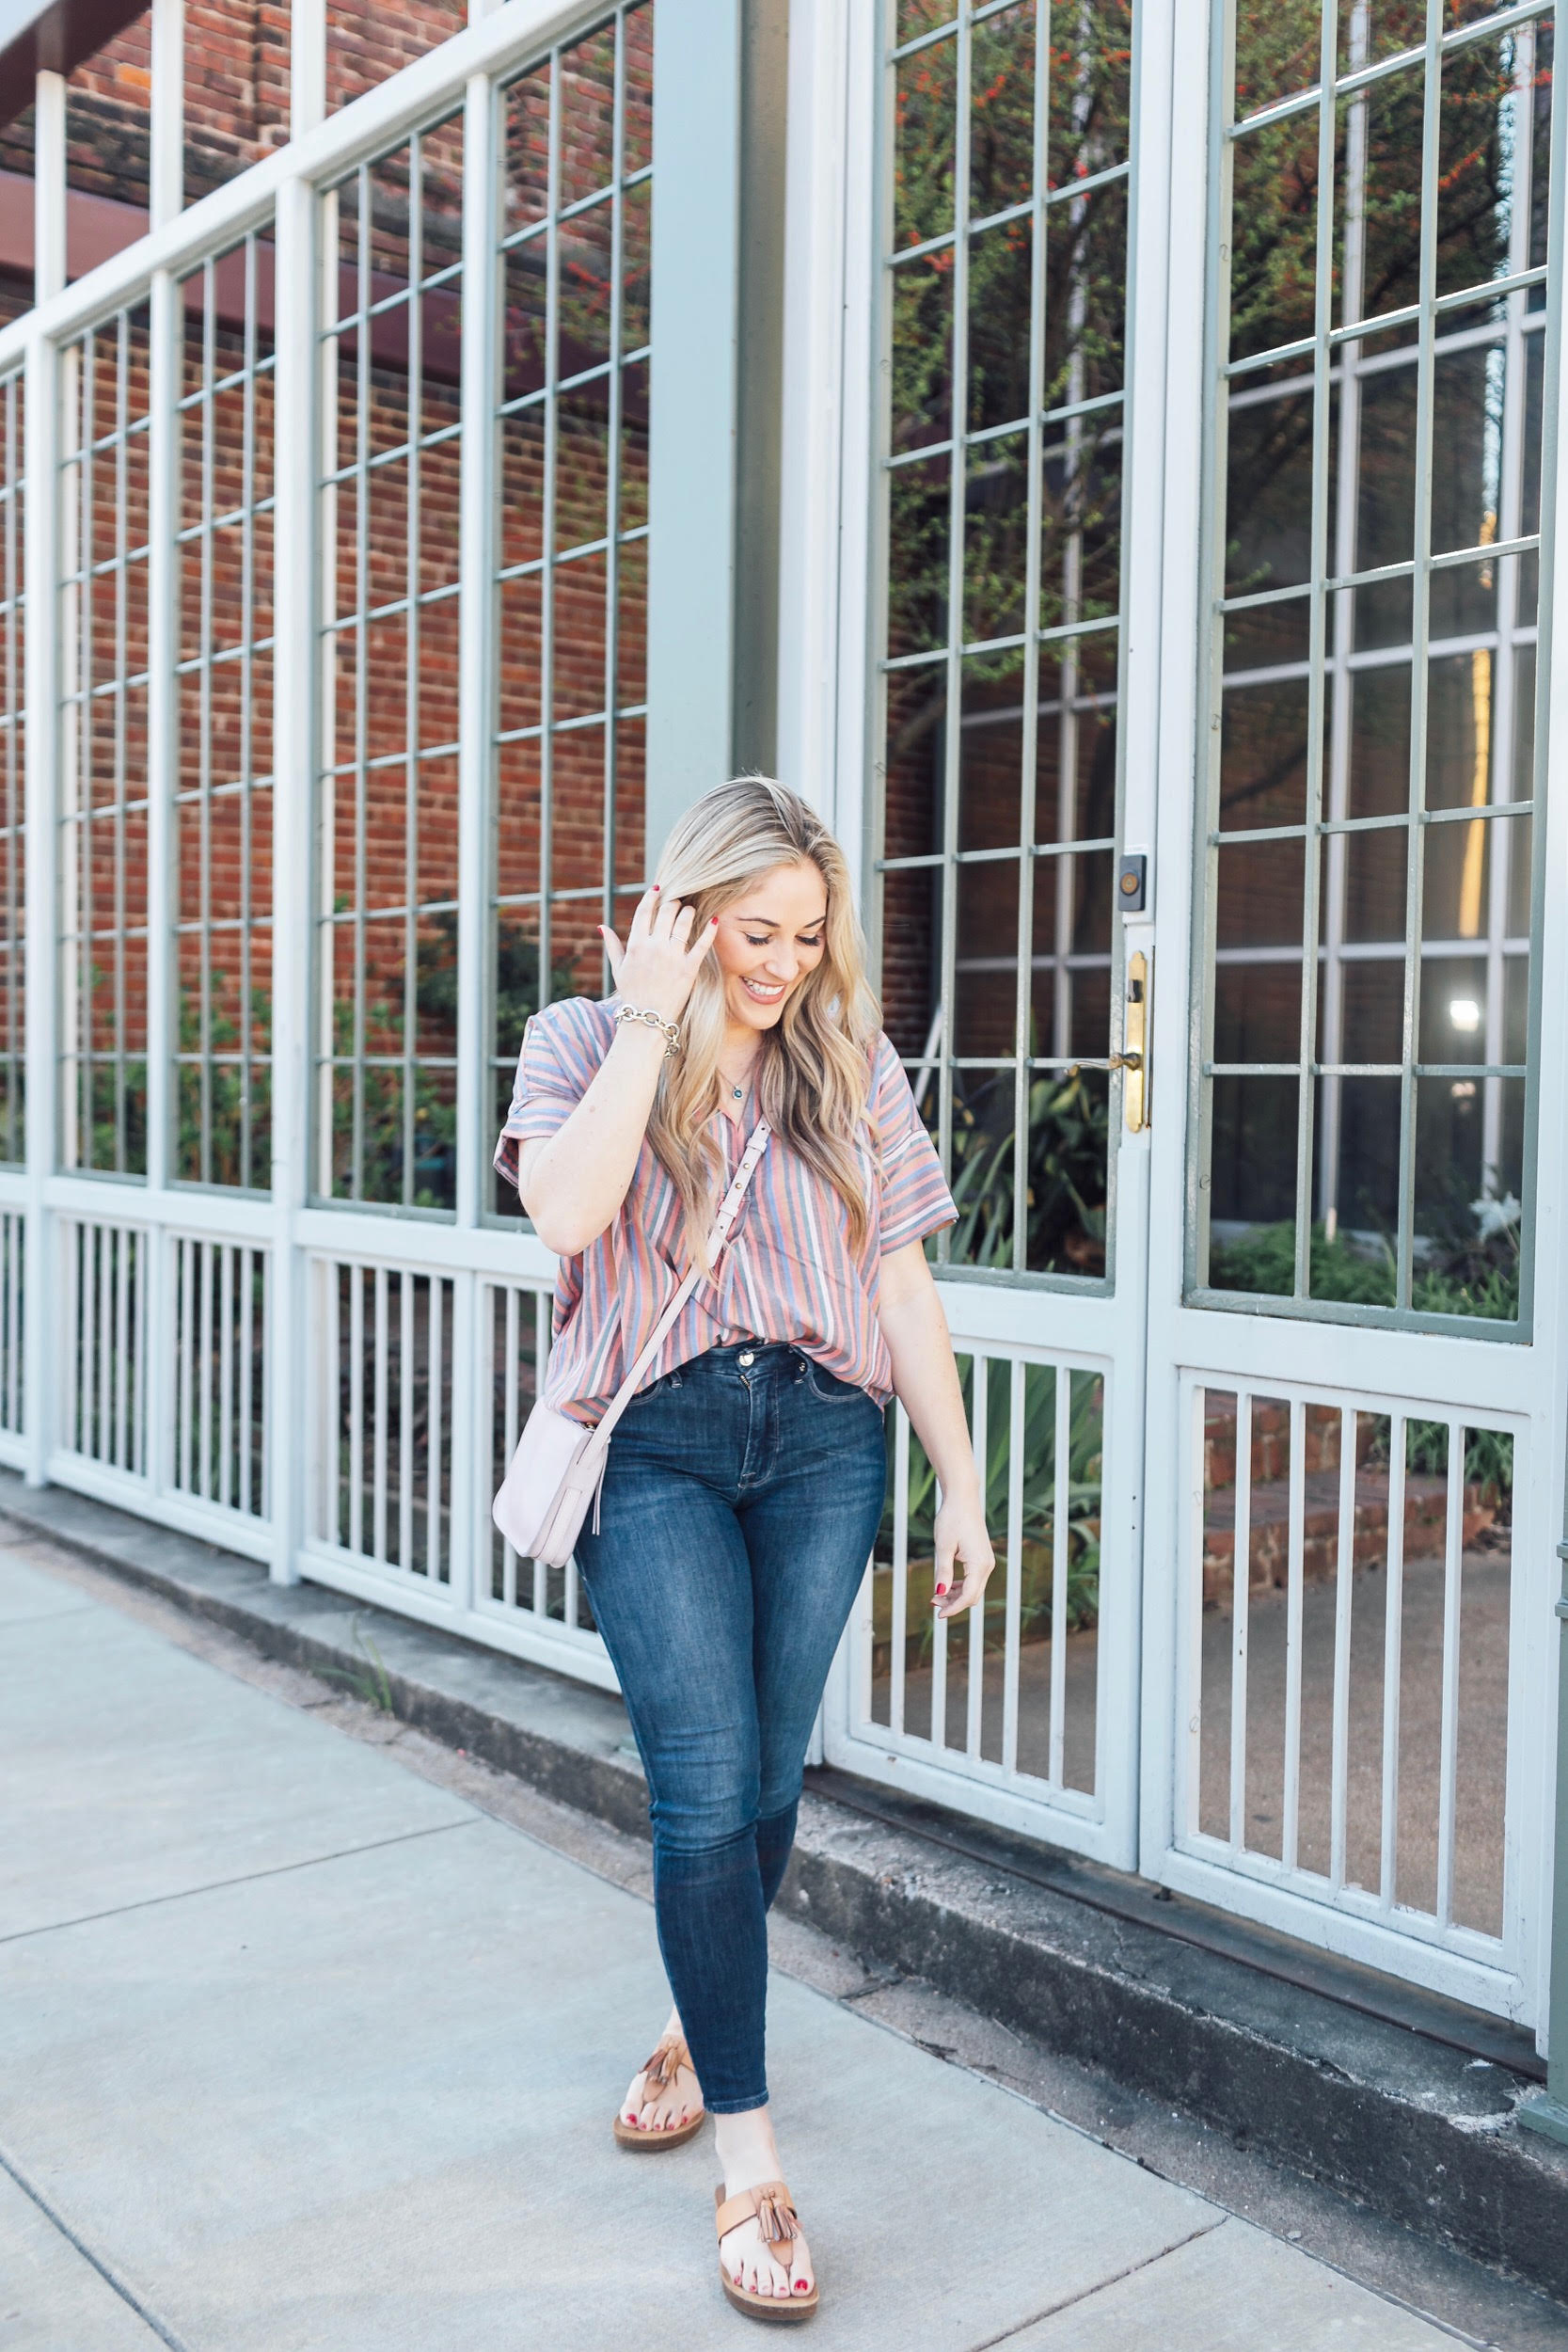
(1030,736)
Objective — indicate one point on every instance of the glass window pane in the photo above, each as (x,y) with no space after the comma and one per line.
(570,735)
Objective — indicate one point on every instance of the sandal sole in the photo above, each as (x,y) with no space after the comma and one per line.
(657,2143)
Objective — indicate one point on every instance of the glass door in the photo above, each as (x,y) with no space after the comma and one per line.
(1007,449)
(1353,1458)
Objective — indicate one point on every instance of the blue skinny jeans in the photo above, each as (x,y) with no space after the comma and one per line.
(740,1502)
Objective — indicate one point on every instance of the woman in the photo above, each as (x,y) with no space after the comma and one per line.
(745,1482)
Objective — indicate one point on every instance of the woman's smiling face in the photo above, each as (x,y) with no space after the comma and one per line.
(768,940)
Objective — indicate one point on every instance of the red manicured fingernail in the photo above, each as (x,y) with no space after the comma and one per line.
(713,921)
(941,1588)
(656,886)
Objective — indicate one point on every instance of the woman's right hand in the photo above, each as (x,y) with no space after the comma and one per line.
(657,968)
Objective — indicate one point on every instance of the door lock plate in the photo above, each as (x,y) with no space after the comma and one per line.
(1133,1058)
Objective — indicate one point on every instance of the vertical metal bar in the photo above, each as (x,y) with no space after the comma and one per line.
(405,1419)
(1241,1592)
(1029,747)
(1295,1569)
(612,484)
(1015,1566)
(1453,1568)
(248,1266)
(299,1333)
(413,737)
(49,189)
(1322,400)
(900,1569)
(362,296)
(1061,1488)
(511,1344)
(206,1254)
(478,491)
(977,1614)
(1421,628)
(1187,1816)
(307,67)
(1393,1631)
(1504,695)
(379,1408)
(436,1417)
(143,1312)
(1334,849)
(357,1408)
(206,544)
(167,110)
(1343,1583)
(185,1403)
(227,1306)
(263,1504)
(47,404)
(246,1171)
(547,533)
(956,551)
(109,1361)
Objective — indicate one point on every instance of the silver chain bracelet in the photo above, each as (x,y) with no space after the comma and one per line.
(652,1021)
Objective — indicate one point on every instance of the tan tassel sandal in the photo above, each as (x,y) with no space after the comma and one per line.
(777,2219)
(657,2075)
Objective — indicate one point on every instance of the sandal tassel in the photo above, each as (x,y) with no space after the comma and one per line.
(775,2218)
(660,2071)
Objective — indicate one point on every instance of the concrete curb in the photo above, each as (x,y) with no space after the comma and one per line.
(1389,2112)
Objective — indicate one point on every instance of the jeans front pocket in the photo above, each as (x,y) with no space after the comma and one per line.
(828,1389)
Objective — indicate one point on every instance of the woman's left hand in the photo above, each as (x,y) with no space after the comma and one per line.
(960,1535)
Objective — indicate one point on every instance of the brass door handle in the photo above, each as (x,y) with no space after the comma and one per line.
(1133,1056)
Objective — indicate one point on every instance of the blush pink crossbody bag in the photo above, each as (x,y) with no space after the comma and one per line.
(559,1466)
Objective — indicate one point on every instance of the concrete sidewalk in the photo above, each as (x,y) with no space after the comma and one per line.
(298,2050)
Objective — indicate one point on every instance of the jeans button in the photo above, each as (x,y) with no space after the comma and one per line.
(746,1360)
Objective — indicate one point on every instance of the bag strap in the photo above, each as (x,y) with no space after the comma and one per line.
(729,1208)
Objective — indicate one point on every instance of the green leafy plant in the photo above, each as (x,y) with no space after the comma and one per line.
(1069,1139)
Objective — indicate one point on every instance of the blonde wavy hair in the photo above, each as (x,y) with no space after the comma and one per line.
(814,1073)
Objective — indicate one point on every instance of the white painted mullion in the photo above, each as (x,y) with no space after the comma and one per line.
(477,495)
(166,112)
(49,188)
(297,1332)
(163,776)
(42,1332)
(307,69)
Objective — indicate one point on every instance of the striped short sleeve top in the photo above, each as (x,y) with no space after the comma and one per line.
(787,1272)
